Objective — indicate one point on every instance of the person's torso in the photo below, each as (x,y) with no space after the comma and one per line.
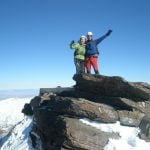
(91,48)
(80,52)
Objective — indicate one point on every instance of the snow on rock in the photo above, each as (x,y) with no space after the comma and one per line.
(19,138)
(128,136)
(10,111)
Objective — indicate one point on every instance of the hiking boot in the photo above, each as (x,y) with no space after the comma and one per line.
(96,72)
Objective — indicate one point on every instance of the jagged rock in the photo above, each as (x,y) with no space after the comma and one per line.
(35,102)
(141,85)
(46,96)
(80,136)
(117,103)
(145,128)
(130,118)
(82,108)
(38,100)
(79,108)
(38,142)
(145,106)
(27,110)
(136,106)
(105,99)
(111,87)
(64,133)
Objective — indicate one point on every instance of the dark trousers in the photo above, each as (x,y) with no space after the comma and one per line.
(80,66)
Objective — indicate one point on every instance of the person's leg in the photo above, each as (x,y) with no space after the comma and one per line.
(77,64)
(88,64)
(95,64)
(82,66)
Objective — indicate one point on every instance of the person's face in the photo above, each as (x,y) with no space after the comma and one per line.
(90,37)
(83,40)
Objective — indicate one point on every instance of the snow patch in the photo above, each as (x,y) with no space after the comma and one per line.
(10,111)
(19,138)
(14,122)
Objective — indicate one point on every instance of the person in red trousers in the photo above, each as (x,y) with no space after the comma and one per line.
(92,51)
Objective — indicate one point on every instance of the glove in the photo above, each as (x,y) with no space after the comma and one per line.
(72,42)
(109,32)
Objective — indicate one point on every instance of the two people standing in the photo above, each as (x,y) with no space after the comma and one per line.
(86,53)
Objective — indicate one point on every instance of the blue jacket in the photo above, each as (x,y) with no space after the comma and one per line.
(91,46)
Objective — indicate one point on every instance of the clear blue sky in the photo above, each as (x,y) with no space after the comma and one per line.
(35,36)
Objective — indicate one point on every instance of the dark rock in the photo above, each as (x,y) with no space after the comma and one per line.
(145,128)
(145,106)
(27,110)
(111,87)
(81,136)
(104,99)
(35,102)
(38,141)
(56,90)
(141,85)
(66,133)
(117,103)
(129,118)
(79,108)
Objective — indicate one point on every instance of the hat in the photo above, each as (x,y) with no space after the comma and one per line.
(89,33)
(83,37)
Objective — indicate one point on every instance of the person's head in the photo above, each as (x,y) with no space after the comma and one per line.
(83,39)
(89,35)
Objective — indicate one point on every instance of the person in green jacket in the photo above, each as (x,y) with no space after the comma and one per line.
(79,54)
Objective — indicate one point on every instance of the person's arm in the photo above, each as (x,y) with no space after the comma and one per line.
(103,37)
(73,45)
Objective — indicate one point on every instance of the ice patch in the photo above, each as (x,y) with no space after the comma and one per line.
(129,139)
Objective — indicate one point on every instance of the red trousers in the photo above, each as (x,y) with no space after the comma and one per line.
(91,61)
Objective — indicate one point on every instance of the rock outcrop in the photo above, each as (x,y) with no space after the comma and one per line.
(27,110)
(99,98)
(111,87)
(62,132)
(145,128)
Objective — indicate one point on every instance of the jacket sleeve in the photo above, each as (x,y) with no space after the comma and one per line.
(74,45)
(100,39)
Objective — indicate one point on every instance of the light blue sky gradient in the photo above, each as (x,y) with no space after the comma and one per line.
(35,36)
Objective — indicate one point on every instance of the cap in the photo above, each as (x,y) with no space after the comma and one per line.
(89,33)
(83,37)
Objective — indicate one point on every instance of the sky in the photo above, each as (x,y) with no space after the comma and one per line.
(35,37)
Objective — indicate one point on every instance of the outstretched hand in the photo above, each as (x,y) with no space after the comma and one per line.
(72,42)
(109,32)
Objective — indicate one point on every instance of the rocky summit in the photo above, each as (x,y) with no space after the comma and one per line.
(56,115)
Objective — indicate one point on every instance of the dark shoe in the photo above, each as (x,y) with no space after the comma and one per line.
(97,72)
(88,72)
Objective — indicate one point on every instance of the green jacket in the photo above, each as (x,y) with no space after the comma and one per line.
(79,50)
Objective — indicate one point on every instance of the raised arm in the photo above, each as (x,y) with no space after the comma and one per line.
(73,45)
(103,37)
